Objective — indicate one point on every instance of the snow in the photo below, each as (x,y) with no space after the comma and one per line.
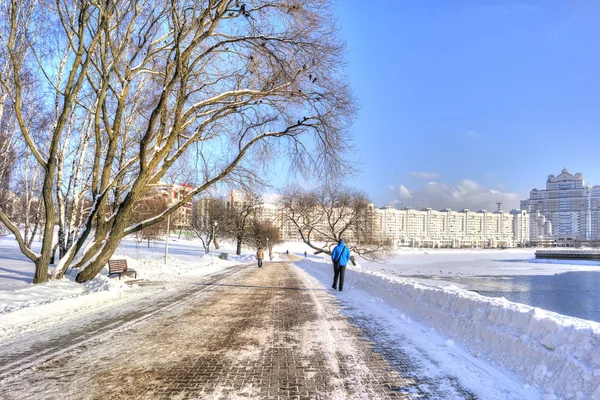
(495,348)
(427,262)
(25,306)
(555,353)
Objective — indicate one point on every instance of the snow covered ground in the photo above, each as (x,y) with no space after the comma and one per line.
(25,307)
(552,353)
(453,264)
(496,348)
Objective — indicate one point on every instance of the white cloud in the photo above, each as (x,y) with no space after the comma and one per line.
(271,197)
(467,194)
(403,192)
(424,175)
(471,135)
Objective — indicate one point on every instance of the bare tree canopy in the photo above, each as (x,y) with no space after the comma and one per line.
(324,215)
(211,218)
(264,234)
(109,96)
(146,208)
(241,212)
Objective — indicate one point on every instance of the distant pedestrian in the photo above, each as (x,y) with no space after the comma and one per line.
(305,254)
(339,256)
(260,254)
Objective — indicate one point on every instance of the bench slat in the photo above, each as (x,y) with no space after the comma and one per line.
(119,267)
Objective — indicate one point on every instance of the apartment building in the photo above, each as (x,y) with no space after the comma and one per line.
(447,228)
(541,228)
(175,192)
(419,227)
(570,206)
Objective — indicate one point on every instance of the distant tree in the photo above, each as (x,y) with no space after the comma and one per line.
(324,215)
(210,220)
(242,216)
(146,208)
(7,162)
(27,207)
(266,235)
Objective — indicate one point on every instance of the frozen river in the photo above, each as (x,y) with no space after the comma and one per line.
(566,287)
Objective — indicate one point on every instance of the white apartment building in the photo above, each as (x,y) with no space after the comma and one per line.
(447,228)
(424,228)
(541,228)
(570,206)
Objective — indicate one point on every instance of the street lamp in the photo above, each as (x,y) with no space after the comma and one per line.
(214,227)
(268,248)
(167,238)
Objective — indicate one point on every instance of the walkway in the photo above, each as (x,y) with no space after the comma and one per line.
(270,333)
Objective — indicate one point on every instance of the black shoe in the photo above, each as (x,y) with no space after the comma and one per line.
(340,289)
(334,287)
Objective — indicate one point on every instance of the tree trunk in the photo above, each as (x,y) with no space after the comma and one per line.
(238,249)
(41,270)
(100,256)
(53,256)
(41,264)
(62,242)
(96,265)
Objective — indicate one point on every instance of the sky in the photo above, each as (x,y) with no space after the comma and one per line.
(464,103)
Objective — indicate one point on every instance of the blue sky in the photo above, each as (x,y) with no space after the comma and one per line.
(465,102)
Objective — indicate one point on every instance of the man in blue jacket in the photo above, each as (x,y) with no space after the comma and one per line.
(339,256)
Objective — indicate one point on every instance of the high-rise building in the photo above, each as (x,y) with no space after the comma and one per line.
(570,206)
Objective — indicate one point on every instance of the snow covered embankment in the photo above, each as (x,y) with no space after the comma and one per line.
(559,354)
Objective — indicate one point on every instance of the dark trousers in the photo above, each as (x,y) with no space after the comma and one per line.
(260,263)
(338,271)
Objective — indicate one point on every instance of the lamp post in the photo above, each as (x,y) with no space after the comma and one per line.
(214,227)
(167,240)
(268,248)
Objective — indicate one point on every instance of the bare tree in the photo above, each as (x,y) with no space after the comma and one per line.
(128,88)
(27,205)
(210,219)
(7,160)
(241,209)
(264,234)
(323,216)
(150,207)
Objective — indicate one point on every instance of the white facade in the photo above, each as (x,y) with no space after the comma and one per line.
(447,228)
(540,228)
(571,207)
(425,228)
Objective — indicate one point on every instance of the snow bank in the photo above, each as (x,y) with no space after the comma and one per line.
(176,269)
(559,354)
(52,291)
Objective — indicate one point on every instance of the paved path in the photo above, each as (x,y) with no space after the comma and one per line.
(40,345)
(270,333)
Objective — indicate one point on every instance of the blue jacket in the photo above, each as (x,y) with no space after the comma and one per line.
(341,253)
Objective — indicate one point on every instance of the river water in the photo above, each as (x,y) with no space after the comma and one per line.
(576,294)
(565,287)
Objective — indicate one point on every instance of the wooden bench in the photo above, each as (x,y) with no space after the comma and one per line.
(120,267)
